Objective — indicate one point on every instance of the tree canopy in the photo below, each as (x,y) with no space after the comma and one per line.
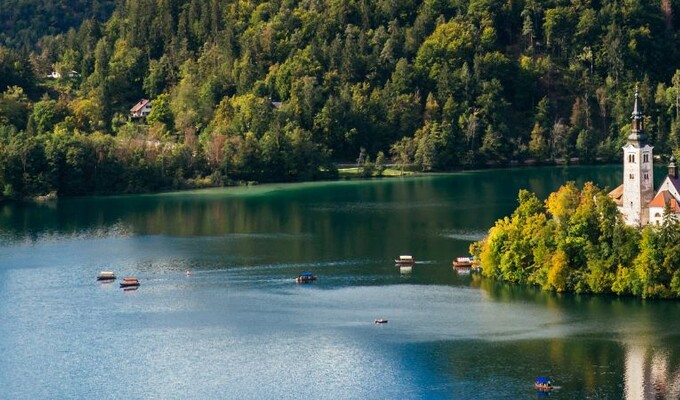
(576,241)
(243,88)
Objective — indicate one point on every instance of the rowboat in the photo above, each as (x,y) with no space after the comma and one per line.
(463,262)
(305,277)
(405,260)
(543,384)
(129,282)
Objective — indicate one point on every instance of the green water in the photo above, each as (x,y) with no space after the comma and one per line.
(239,327)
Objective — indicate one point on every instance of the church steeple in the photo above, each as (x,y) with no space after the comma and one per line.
(637,135)
(638,171)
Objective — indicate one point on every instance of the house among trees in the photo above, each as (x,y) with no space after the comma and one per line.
(635,198)
(57,74)
(141,109)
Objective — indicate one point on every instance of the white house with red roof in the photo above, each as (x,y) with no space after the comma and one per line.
(667,196)
(141,109)
(635,198)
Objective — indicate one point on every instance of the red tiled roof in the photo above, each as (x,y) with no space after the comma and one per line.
(665,197)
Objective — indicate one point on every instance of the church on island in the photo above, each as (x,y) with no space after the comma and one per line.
(635,198)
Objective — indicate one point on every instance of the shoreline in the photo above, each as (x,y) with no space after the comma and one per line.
(346,172)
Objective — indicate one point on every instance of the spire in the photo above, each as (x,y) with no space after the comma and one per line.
(637,135)
(636,107)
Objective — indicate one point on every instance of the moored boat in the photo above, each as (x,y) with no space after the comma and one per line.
(106,276)
(129,282)
(380,321)
(405,260)
(305,277)
(466,264)
(463,262)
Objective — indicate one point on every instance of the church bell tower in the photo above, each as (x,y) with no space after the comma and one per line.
(638,172)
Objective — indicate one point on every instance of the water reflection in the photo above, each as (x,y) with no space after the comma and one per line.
(650,374)
(449,335)
(447,205)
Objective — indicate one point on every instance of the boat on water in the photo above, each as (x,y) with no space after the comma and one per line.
(129,282)
(305,277)
(543,384)
(106,276)
(463,262)
(380,321)
(405,260)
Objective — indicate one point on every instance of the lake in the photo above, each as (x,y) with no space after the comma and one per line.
(239,327)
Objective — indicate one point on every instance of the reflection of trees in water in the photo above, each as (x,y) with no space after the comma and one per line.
(613,342)
(651,374)
(508,292)
(582,368)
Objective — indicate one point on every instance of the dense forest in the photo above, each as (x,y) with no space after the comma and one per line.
(576,241)
(280,90)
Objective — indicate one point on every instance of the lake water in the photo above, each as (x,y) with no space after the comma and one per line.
(239,327)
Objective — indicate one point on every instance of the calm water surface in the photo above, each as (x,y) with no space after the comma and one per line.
(240,328)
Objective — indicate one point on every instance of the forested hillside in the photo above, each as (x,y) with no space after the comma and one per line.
(26,21)
(280,90)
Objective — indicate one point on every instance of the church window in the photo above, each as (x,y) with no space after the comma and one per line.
(631,176)
(646,177)
(631,158)
(645,158)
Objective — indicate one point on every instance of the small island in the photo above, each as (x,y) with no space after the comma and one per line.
(624,242)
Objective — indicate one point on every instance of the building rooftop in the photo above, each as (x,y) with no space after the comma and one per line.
(617,195)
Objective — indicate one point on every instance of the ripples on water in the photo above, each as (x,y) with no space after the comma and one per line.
(239,327)
(463,235)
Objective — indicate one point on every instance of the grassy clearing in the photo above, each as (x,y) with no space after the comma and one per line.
(355,173)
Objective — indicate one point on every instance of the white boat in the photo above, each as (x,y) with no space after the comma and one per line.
(405,260)
(106,276)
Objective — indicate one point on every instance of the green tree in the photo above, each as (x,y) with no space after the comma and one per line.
(403,152)
(450,45)
(161,112)
(14,107)
(380,163)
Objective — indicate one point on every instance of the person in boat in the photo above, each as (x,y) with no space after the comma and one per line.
(543,384)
